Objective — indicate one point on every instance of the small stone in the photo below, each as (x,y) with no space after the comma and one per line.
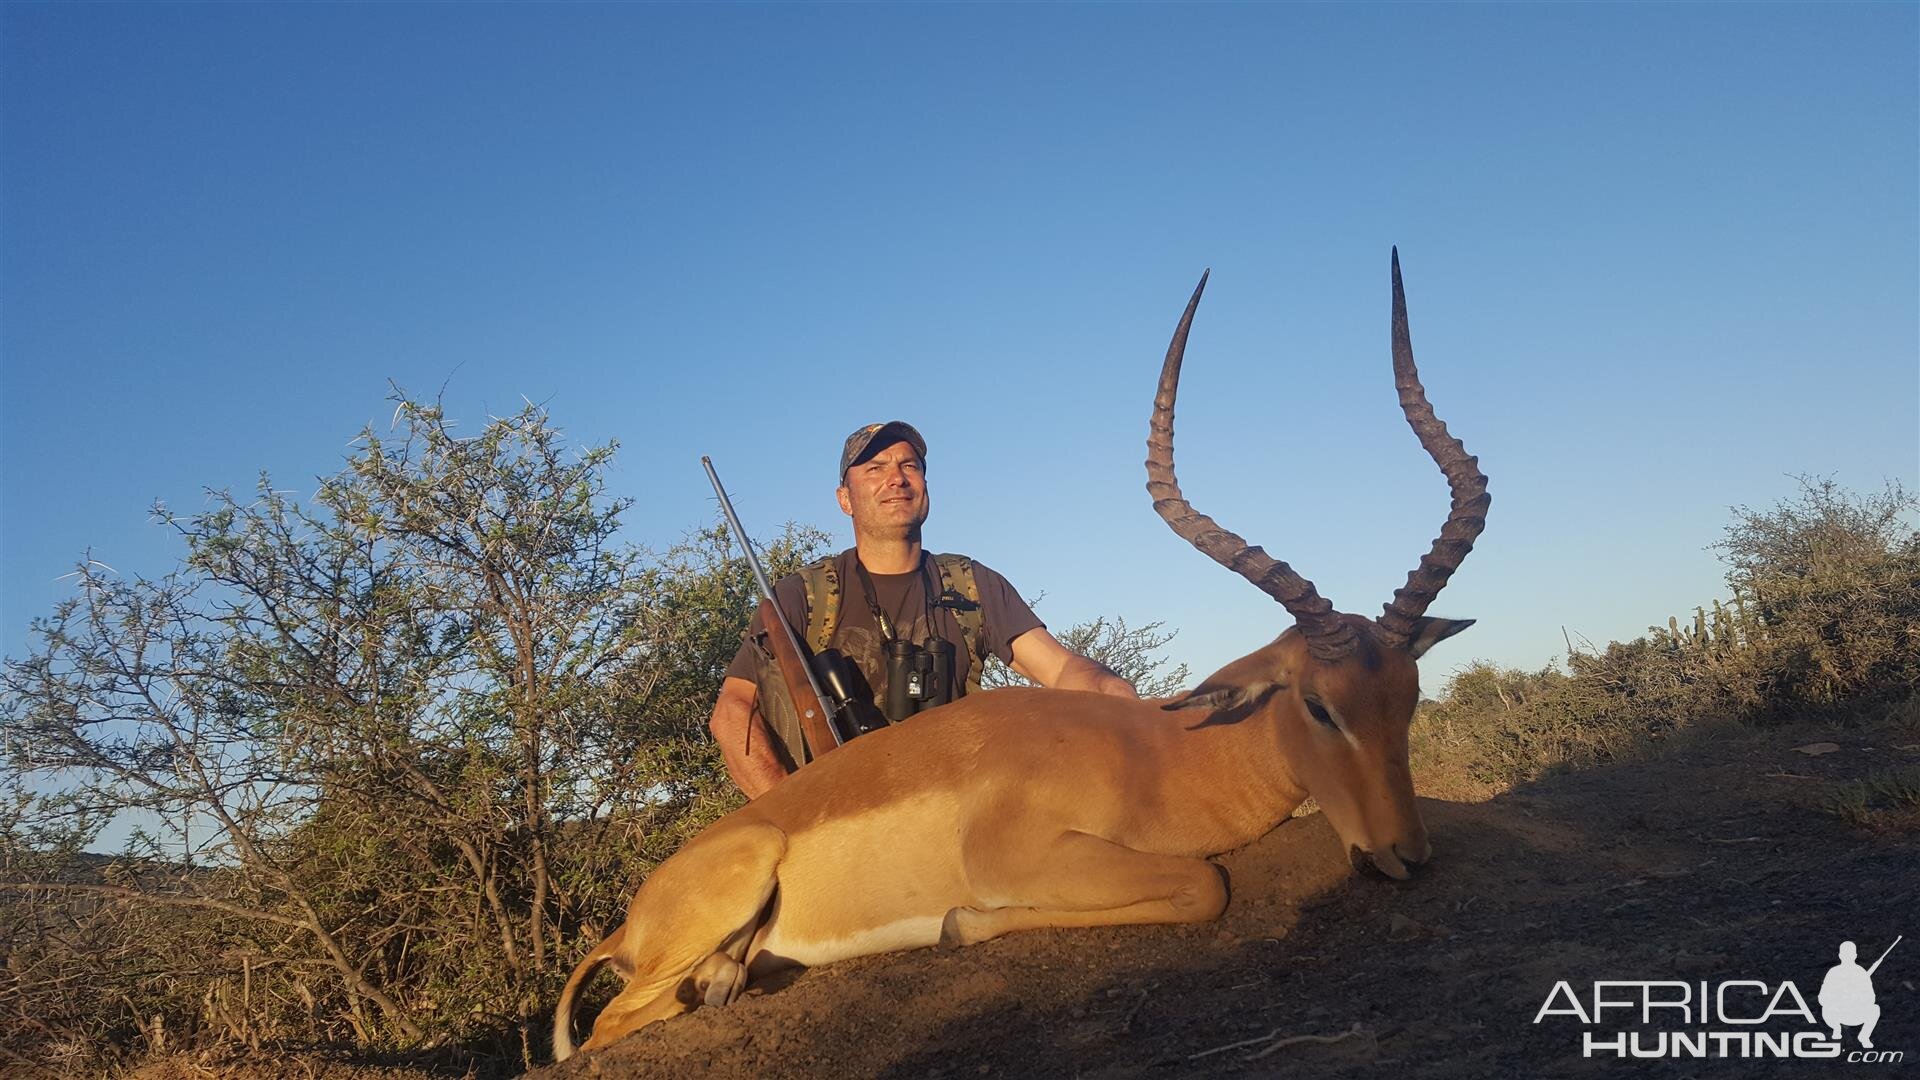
(1817,748)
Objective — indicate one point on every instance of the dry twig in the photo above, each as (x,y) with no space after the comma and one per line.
(1354,1030)
(1126,1022)
(1269,1037)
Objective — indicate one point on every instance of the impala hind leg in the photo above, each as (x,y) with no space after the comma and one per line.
(690,927)
(1083,880)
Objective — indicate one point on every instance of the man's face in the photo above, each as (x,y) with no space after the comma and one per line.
(886,495)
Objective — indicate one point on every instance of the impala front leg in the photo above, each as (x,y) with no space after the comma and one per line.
(1083,880)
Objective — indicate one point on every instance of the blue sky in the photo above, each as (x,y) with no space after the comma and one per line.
(1658,258)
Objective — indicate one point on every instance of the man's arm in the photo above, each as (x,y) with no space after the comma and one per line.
(745,741)
(1038,656)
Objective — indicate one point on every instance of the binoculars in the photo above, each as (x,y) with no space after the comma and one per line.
(918,677)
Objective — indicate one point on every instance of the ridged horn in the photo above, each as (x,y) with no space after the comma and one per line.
(1328,638)
(1400,621)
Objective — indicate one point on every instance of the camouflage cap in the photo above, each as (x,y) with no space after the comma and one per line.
(877,437)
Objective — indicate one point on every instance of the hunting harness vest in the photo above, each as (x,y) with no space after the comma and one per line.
(958,594)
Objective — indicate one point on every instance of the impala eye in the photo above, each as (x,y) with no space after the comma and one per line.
(1321,714)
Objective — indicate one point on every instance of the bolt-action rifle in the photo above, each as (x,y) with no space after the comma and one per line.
(824,722)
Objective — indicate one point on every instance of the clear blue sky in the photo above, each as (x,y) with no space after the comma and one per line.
(1658,257)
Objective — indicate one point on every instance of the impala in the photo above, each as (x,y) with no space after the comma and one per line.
(1027,808)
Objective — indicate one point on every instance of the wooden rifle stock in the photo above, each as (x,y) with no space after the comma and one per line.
(814,726)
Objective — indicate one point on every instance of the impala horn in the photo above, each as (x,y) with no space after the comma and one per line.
(1328,637)
(1400,621)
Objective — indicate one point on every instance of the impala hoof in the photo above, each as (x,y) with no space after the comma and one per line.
(1384,864)
(716,981)
(952,934)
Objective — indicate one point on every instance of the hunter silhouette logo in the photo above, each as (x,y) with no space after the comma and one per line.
(1734,1018)
(1846,996)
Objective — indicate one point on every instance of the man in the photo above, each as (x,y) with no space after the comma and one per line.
(1846,995)
(892,590)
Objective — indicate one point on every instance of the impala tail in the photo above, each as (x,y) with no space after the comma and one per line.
(563,1047)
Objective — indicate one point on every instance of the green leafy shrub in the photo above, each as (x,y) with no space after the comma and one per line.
(395,754)
(1824,622)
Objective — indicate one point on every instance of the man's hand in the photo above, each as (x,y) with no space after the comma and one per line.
(1082,673)
(755,776)
(1037,655)
(1104,681)
(745,741)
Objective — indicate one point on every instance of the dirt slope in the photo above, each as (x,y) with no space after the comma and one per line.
(1708,862)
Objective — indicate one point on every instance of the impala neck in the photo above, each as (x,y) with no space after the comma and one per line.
(1231,783)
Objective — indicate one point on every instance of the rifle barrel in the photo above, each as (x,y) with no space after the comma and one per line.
(1883,956)
(766,590)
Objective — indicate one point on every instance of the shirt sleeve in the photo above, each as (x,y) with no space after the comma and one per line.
(791,593)
(1004,615)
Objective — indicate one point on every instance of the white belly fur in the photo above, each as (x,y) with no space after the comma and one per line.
(916,932)
(870,883)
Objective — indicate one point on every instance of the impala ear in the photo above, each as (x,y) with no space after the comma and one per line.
(1216,698)
(1219,698)
(1429,632)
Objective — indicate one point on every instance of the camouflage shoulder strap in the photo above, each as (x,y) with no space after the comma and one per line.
(956,576)
(822,581)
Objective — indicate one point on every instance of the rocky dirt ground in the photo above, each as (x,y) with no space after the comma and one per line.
(1711,861)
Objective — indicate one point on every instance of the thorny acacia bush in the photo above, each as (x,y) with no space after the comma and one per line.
(397,756)
(1135,653)
(1824,622)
